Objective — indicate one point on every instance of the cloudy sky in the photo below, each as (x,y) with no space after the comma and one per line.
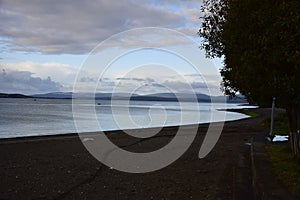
(45,44)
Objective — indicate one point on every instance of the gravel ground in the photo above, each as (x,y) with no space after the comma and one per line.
(59,167)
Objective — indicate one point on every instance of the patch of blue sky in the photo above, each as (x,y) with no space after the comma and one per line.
(36,57)
(151,57)
(171,6)
(175,8)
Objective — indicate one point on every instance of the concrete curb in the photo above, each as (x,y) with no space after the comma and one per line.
(265,185)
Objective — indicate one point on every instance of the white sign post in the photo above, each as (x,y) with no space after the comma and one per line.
(271,134)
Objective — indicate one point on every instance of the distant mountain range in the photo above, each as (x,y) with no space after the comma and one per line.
(136,97)
(5,95)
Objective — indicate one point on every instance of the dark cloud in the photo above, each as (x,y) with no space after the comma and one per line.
(145,80)
(107,83)
(88,79)
(138,79)
(199,85)
(122,78)
(150,85)
(157,85)
(54,26)
(184,86)
(174,85)
(193,75)
(23,82)
(150,80)
(179,86)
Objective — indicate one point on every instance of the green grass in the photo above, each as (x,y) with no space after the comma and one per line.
(284,163)
(245,111)
(281,124)
(286,167)
(250,113)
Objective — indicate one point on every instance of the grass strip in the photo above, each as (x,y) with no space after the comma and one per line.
(286,167)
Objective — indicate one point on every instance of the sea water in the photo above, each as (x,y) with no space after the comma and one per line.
(34,117)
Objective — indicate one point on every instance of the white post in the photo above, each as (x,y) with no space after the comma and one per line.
(271,134)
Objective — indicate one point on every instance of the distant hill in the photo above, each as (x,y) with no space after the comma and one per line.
(54,95)
(172,97)
(68,95)
(135,97)
(5,95)
(108,96)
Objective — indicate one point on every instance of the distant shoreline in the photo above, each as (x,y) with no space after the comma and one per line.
(168,97)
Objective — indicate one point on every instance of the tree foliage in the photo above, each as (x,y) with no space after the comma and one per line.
(259,40)
(212,27)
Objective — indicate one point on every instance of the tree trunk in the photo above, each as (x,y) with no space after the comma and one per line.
(293,112)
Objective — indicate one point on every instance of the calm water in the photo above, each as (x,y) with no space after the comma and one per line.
(26,117)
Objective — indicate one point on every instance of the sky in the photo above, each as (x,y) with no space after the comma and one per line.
(47,46)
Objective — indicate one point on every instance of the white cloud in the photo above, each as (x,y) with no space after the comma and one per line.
(59,72)
(146,85)
(141,80)
(26,78)
(23,82)
(76,27)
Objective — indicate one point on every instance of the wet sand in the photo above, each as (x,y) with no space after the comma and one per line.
(59,167)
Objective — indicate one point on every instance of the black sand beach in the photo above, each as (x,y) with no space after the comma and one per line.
(59,167)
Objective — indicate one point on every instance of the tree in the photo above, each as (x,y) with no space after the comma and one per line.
(259,41)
